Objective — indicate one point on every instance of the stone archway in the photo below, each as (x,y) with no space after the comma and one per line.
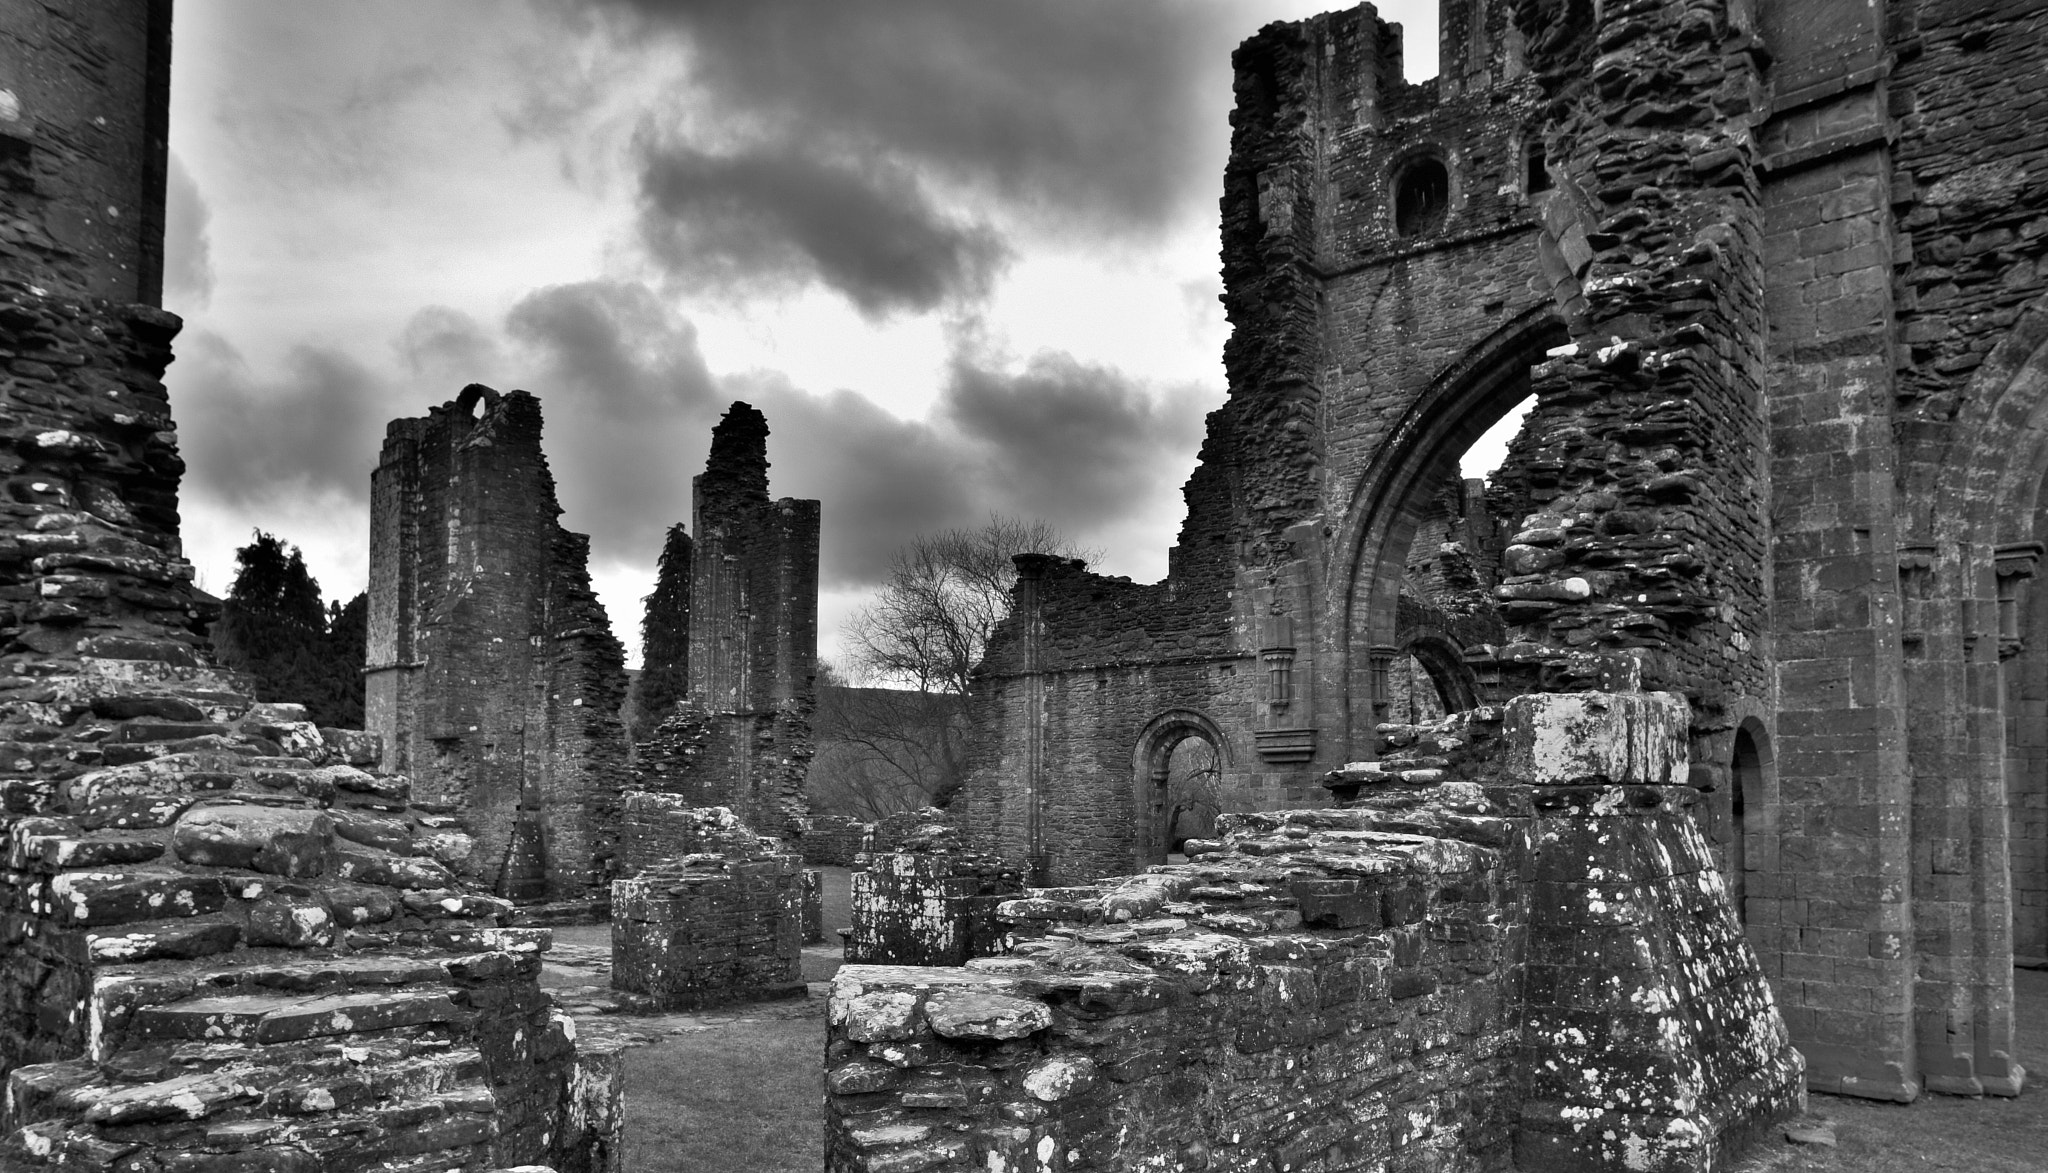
(1466,399)
(1151,774)
(1440,656)
(1966,552)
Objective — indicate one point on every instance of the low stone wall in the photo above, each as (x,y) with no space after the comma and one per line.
(834,840)
(656,828)
(928,908)
(707,930)
(1512,947)
(1327,998)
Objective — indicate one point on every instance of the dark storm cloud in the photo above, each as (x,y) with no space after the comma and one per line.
(630,406)
(779,215)
(188,250)
(883,480)
(247,441)
(1076,444)
(1075,115)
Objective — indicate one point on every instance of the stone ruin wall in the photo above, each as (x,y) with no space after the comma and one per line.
(1532,961)
(923,897)
(493,674)
(223,942)
(834,840)
(705,911)
(741,737)
(1773,274)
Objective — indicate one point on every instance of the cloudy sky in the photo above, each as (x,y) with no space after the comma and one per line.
(962,253)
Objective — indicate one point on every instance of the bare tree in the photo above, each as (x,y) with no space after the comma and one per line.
(921,638)
(944,596)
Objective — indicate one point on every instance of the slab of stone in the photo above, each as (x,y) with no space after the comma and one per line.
(112,898)
(976,1014)
(292,842)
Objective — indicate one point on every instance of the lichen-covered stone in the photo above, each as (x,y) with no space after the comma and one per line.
(281,841)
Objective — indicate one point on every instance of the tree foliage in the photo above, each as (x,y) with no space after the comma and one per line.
(921,639)
(274,629)
(664,637)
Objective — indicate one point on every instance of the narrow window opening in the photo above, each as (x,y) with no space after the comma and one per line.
(1538,178)
(1422,196)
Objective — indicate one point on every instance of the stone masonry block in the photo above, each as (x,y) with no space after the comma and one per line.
(1579,738)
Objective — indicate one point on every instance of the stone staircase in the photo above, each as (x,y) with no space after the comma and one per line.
(230,947)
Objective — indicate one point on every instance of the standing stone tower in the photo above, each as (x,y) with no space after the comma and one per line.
(493,673)
(742,738)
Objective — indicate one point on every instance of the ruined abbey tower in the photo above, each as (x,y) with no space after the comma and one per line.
(1775,276)
(740,735)
(493,674)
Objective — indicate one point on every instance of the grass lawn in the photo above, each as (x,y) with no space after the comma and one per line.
(739,1098)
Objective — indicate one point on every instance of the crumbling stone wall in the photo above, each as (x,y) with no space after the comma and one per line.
(834,840)
(1773,276)
(748,622)
(1510,949)
(722,918)
(927,899)
(659,827)
(493,674)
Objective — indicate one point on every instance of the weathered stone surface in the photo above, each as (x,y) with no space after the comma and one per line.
(279,841)
(984,1016)
(1579,738)
(488,650)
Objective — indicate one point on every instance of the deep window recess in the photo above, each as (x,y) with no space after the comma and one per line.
(1422,195)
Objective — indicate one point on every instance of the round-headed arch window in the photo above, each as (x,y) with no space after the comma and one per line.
(1422,196)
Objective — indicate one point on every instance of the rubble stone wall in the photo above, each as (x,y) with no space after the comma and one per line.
(1513,945)
(926,907)
(1340,1029)
(834,840)
(493,674)
(706,930)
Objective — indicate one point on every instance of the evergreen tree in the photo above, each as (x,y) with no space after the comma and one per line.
(274,628)
(664,637)
(345,647)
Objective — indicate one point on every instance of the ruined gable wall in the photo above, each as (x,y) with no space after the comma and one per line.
(1069,683)
(753,638)
(493,670)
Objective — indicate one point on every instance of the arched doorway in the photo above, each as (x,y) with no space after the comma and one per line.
(1177,770)
(1741,848)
